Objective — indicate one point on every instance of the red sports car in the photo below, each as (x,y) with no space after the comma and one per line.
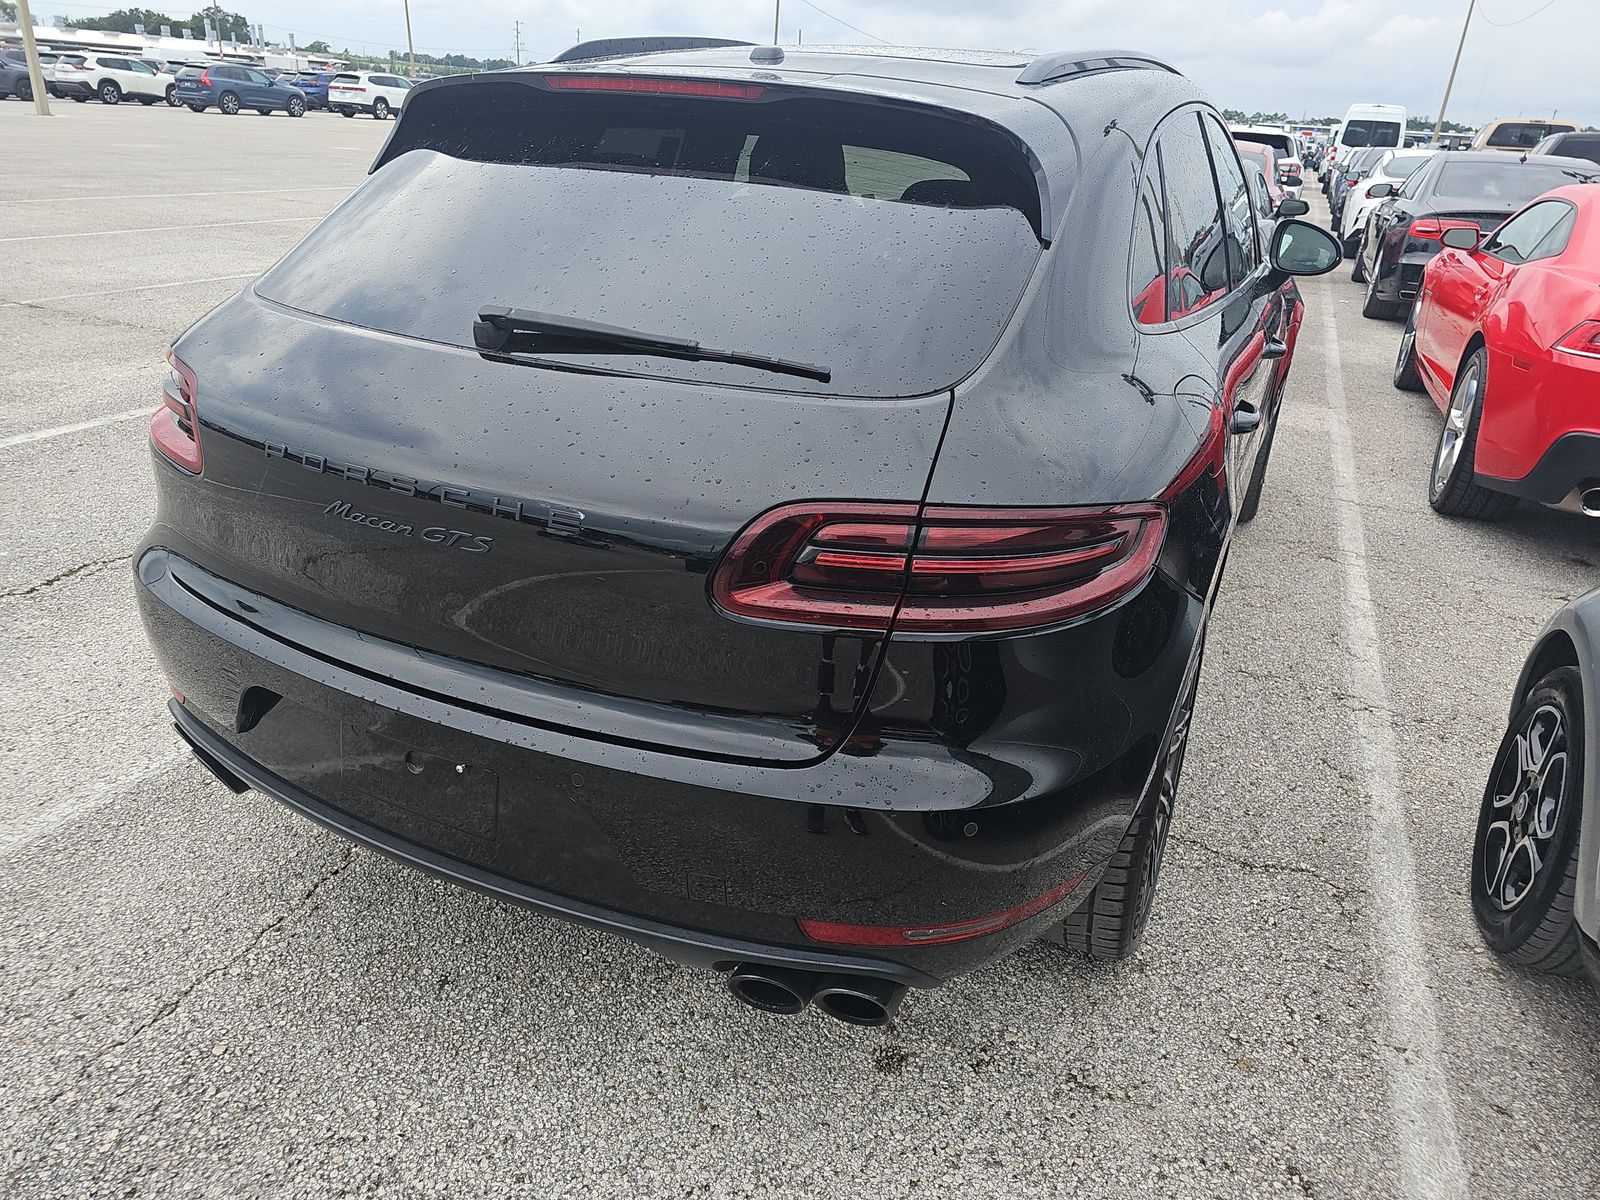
(1505,336)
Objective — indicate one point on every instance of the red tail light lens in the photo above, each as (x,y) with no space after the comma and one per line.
(1432,230)
(175,430)
(960,570)
(1584,340)
(655,87)
(932,935)
(205,78)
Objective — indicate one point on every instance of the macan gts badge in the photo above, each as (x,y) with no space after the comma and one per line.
(856,651)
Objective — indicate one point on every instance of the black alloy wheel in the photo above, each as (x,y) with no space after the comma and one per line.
(1525,855)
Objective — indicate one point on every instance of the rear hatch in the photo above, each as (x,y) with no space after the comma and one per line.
(557,515)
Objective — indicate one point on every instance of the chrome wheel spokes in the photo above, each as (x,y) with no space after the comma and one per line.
(1456,423)
(1527,796)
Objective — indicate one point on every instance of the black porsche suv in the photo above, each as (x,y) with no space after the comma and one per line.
(762,502)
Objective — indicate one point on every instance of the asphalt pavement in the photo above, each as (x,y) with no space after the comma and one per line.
(202,994)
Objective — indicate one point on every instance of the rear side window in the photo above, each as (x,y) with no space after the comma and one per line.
(1196,253)
(1539,231)
(1148,257)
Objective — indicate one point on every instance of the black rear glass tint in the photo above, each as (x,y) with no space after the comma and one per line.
(895,299)
(1506,182)
(787,139)
(1518,135)
(1372,133)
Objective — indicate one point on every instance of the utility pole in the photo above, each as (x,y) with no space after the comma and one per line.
(1438,126)
(41,98)
(777,8)
(518,26)
(411,49)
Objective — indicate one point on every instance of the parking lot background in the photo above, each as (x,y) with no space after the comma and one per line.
(203,992)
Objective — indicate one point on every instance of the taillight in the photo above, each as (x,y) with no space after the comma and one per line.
(656,87)
(956,570)
(1431,230)
(205,78)
(1584,340)
(175,430)
(931,935)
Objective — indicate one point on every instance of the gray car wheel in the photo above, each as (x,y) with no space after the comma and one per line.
(228,103)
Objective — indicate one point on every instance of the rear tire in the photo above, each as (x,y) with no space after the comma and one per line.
(197,108)
(1453,488)
(24,90)
(1525,913)
(1374,307)
(228,103)
(77,99)
(172,96)
(347,112)
(1110,921)
(1406,376)
(380,109)
(110,92)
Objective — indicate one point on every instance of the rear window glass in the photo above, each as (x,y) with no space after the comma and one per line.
(1520,135)
(1507,182)
(1371,133)
(870,151)
(895,299)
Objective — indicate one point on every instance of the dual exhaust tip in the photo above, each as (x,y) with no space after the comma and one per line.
(854,999)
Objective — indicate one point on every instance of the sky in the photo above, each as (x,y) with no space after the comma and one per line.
(1308,58)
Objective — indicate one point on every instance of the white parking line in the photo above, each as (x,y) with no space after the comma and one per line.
(321,187)
(44,435)
(143,287)
(1430,1166)
(45,237)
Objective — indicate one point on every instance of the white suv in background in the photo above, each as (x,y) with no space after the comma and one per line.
(1285,148)
(350,92)
(108,76)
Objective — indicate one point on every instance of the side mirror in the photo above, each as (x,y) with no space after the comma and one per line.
(1290,206)
(1458,237)
(1379,190)
(1301,248)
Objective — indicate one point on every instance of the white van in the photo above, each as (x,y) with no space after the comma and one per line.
(1370,125)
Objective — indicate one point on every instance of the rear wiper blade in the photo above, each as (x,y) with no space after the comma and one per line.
(512,330)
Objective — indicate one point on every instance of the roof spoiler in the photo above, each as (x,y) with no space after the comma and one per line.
(1064,64)
(626,47)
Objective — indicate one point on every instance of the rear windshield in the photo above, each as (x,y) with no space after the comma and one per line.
(893,299)
(1504,184)
(1371,133)
(890,250)
(1522,135)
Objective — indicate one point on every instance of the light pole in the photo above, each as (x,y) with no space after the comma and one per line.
(41,100)
(777,9)
(411,50)
(1438,125)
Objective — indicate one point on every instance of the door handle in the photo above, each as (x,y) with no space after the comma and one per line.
(1274,348)
(1246,417)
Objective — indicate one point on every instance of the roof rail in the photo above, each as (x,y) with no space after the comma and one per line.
(626,47)
(1063,64)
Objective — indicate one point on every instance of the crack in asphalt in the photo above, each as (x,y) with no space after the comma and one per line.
(300,906)
(1340,891)
(81,571)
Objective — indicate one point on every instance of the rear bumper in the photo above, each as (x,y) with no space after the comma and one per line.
(690,947)
(709,862)
(74,88)
(1572,461)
